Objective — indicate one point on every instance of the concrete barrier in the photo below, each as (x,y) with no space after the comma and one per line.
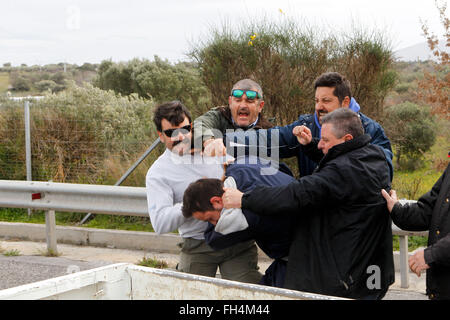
(131,282)
(120,239)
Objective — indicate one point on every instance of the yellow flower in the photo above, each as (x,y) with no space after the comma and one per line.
(281,11)
(250,43)
(252,37)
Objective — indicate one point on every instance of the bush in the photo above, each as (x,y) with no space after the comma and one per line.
(45,85)
(80,135)
(411,128)
(21,84)
(286,57)
(158,80)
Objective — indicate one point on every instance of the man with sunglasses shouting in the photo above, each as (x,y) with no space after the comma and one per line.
(166,181)
(332,91)
(245,105)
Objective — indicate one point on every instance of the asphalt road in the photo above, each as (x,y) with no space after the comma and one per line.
(32,266)
(16,271)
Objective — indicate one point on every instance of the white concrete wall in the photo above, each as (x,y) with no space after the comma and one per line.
(127,281)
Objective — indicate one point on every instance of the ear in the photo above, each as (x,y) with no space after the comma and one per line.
(261,105)
(216,202)
(348,137)
(229,100)
(346,102)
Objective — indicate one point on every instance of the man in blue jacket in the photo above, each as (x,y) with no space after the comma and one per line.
(332,91)
(227,227)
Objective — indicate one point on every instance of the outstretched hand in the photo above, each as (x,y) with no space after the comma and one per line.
(214,148)
(303,134)
(391,198)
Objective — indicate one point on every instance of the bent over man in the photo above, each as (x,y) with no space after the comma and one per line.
(203,200)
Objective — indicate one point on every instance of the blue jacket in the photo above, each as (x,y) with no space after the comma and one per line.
(288,145)
(272,234)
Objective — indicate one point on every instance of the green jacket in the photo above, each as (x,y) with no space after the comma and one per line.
(216,121)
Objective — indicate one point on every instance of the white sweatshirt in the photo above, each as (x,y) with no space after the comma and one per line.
(166,181)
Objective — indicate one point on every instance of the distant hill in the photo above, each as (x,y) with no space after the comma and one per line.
(418,51)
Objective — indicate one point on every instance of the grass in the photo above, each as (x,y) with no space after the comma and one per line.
(98,221)
(413,184)
(4,81)
(152,263)
(414,242)
(11,253)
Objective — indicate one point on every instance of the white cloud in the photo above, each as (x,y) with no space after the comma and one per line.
(76,30)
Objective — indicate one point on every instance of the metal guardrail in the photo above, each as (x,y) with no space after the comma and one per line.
(69,197)
(115,200)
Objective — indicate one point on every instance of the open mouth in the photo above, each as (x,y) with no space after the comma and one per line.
(243,113)
(320,114)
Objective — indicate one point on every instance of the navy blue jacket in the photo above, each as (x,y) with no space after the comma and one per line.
(272,234)
(288,145)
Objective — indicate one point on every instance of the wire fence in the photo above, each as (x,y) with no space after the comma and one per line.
(68,146)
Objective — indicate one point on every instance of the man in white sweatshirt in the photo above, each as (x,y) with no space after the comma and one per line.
(166,181)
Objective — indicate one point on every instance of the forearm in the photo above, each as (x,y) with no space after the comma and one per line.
(165,215)
(328,185)
(439,253)
(311,150)
(417,216)
(267,200)
(166,219)
(207,126)
(412,216)
(219,241)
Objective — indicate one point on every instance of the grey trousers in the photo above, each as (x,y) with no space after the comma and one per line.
(238,263)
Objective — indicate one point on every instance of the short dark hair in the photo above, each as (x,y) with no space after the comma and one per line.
(197,196)
(344,121)
(337,81)
(173,111)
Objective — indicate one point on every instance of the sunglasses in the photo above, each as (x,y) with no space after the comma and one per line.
(251,95)
(174,132)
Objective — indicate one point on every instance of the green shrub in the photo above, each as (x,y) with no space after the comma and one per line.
(158,80)
(80,135)
(285,57)
(45,85)
(411,128)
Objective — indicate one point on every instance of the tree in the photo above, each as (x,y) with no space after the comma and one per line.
(158,79)
(435,87)
(285,57)
(411,128)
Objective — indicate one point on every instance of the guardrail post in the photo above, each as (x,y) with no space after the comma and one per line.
(27,143)
(50,228)
(404,273)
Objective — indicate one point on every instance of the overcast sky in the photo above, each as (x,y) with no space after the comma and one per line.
(78,31)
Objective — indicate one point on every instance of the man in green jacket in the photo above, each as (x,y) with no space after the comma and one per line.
(245,104)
